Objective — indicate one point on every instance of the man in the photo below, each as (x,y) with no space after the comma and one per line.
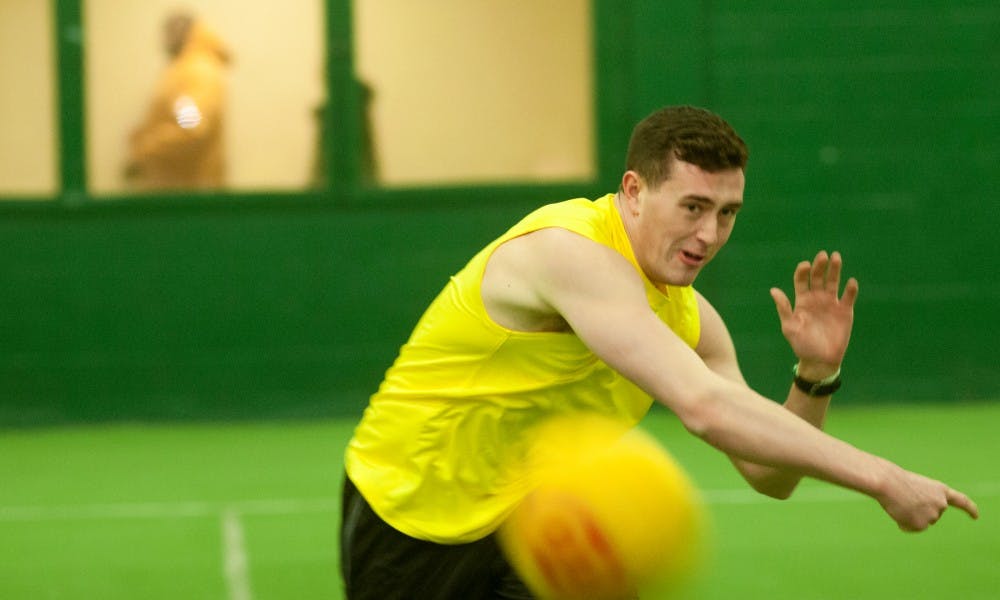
(180,143)
(588,307)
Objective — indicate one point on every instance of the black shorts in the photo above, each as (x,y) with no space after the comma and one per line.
(378,562)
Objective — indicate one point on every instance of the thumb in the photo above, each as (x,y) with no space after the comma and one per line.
(782,303)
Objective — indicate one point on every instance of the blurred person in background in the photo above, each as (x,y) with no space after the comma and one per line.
(179,143)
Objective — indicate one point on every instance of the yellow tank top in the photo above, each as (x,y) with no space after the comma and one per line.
(433,452)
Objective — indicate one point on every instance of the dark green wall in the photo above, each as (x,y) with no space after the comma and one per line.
(873,131)
(242,311)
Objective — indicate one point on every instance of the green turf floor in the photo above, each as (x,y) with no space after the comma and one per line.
(249,511)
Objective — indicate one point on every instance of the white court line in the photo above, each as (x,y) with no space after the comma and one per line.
(293,506)
(160,510)
(234,554)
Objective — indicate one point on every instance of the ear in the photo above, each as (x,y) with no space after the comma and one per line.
(631,185)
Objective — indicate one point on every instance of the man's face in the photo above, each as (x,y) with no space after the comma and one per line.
(677,228)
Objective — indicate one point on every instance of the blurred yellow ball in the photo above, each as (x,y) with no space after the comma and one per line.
(612,514)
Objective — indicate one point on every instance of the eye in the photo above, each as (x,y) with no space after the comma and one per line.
(693,208)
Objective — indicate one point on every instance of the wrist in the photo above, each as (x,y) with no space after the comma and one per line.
(816,371)
(880,478)
(824,386)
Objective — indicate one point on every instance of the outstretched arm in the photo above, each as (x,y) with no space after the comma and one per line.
(601,296)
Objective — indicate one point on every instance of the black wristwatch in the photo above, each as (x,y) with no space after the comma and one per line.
(823,387)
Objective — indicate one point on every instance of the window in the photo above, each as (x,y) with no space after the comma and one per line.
(261,65)
(458,92)
(28,139)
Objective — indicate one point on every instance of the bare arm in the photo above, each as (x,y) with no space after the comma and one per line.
(818,328)
(601,296)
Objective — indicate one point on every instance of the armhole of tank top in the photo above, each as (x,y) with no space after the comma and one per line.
(482,273)
(481,304)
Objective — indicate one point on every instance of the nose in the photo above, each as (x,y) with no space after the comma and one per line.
(708,231)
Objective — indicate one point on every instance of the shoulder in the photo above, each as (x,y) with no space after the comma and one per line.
(558,253)
(547,271)
(713,328)
(705,307)
(715,346)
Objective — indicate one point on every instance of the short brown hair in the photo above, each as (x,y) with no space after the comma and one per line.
(688,133)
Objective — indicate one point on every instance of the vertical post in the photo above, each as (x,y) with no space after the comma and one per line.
(70,98)
(342,119)
(612,30)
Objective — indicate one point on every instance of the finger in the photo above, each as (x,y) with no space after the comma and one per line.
(781,303)
(960,500)
(833,272)
(818,274)
(801,278)
(850,292)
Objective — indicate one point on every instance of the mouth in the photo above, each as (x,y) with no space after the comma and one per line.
(691,259)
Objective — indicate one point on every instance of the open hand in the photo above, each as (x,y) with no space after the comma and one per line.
(818,326)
